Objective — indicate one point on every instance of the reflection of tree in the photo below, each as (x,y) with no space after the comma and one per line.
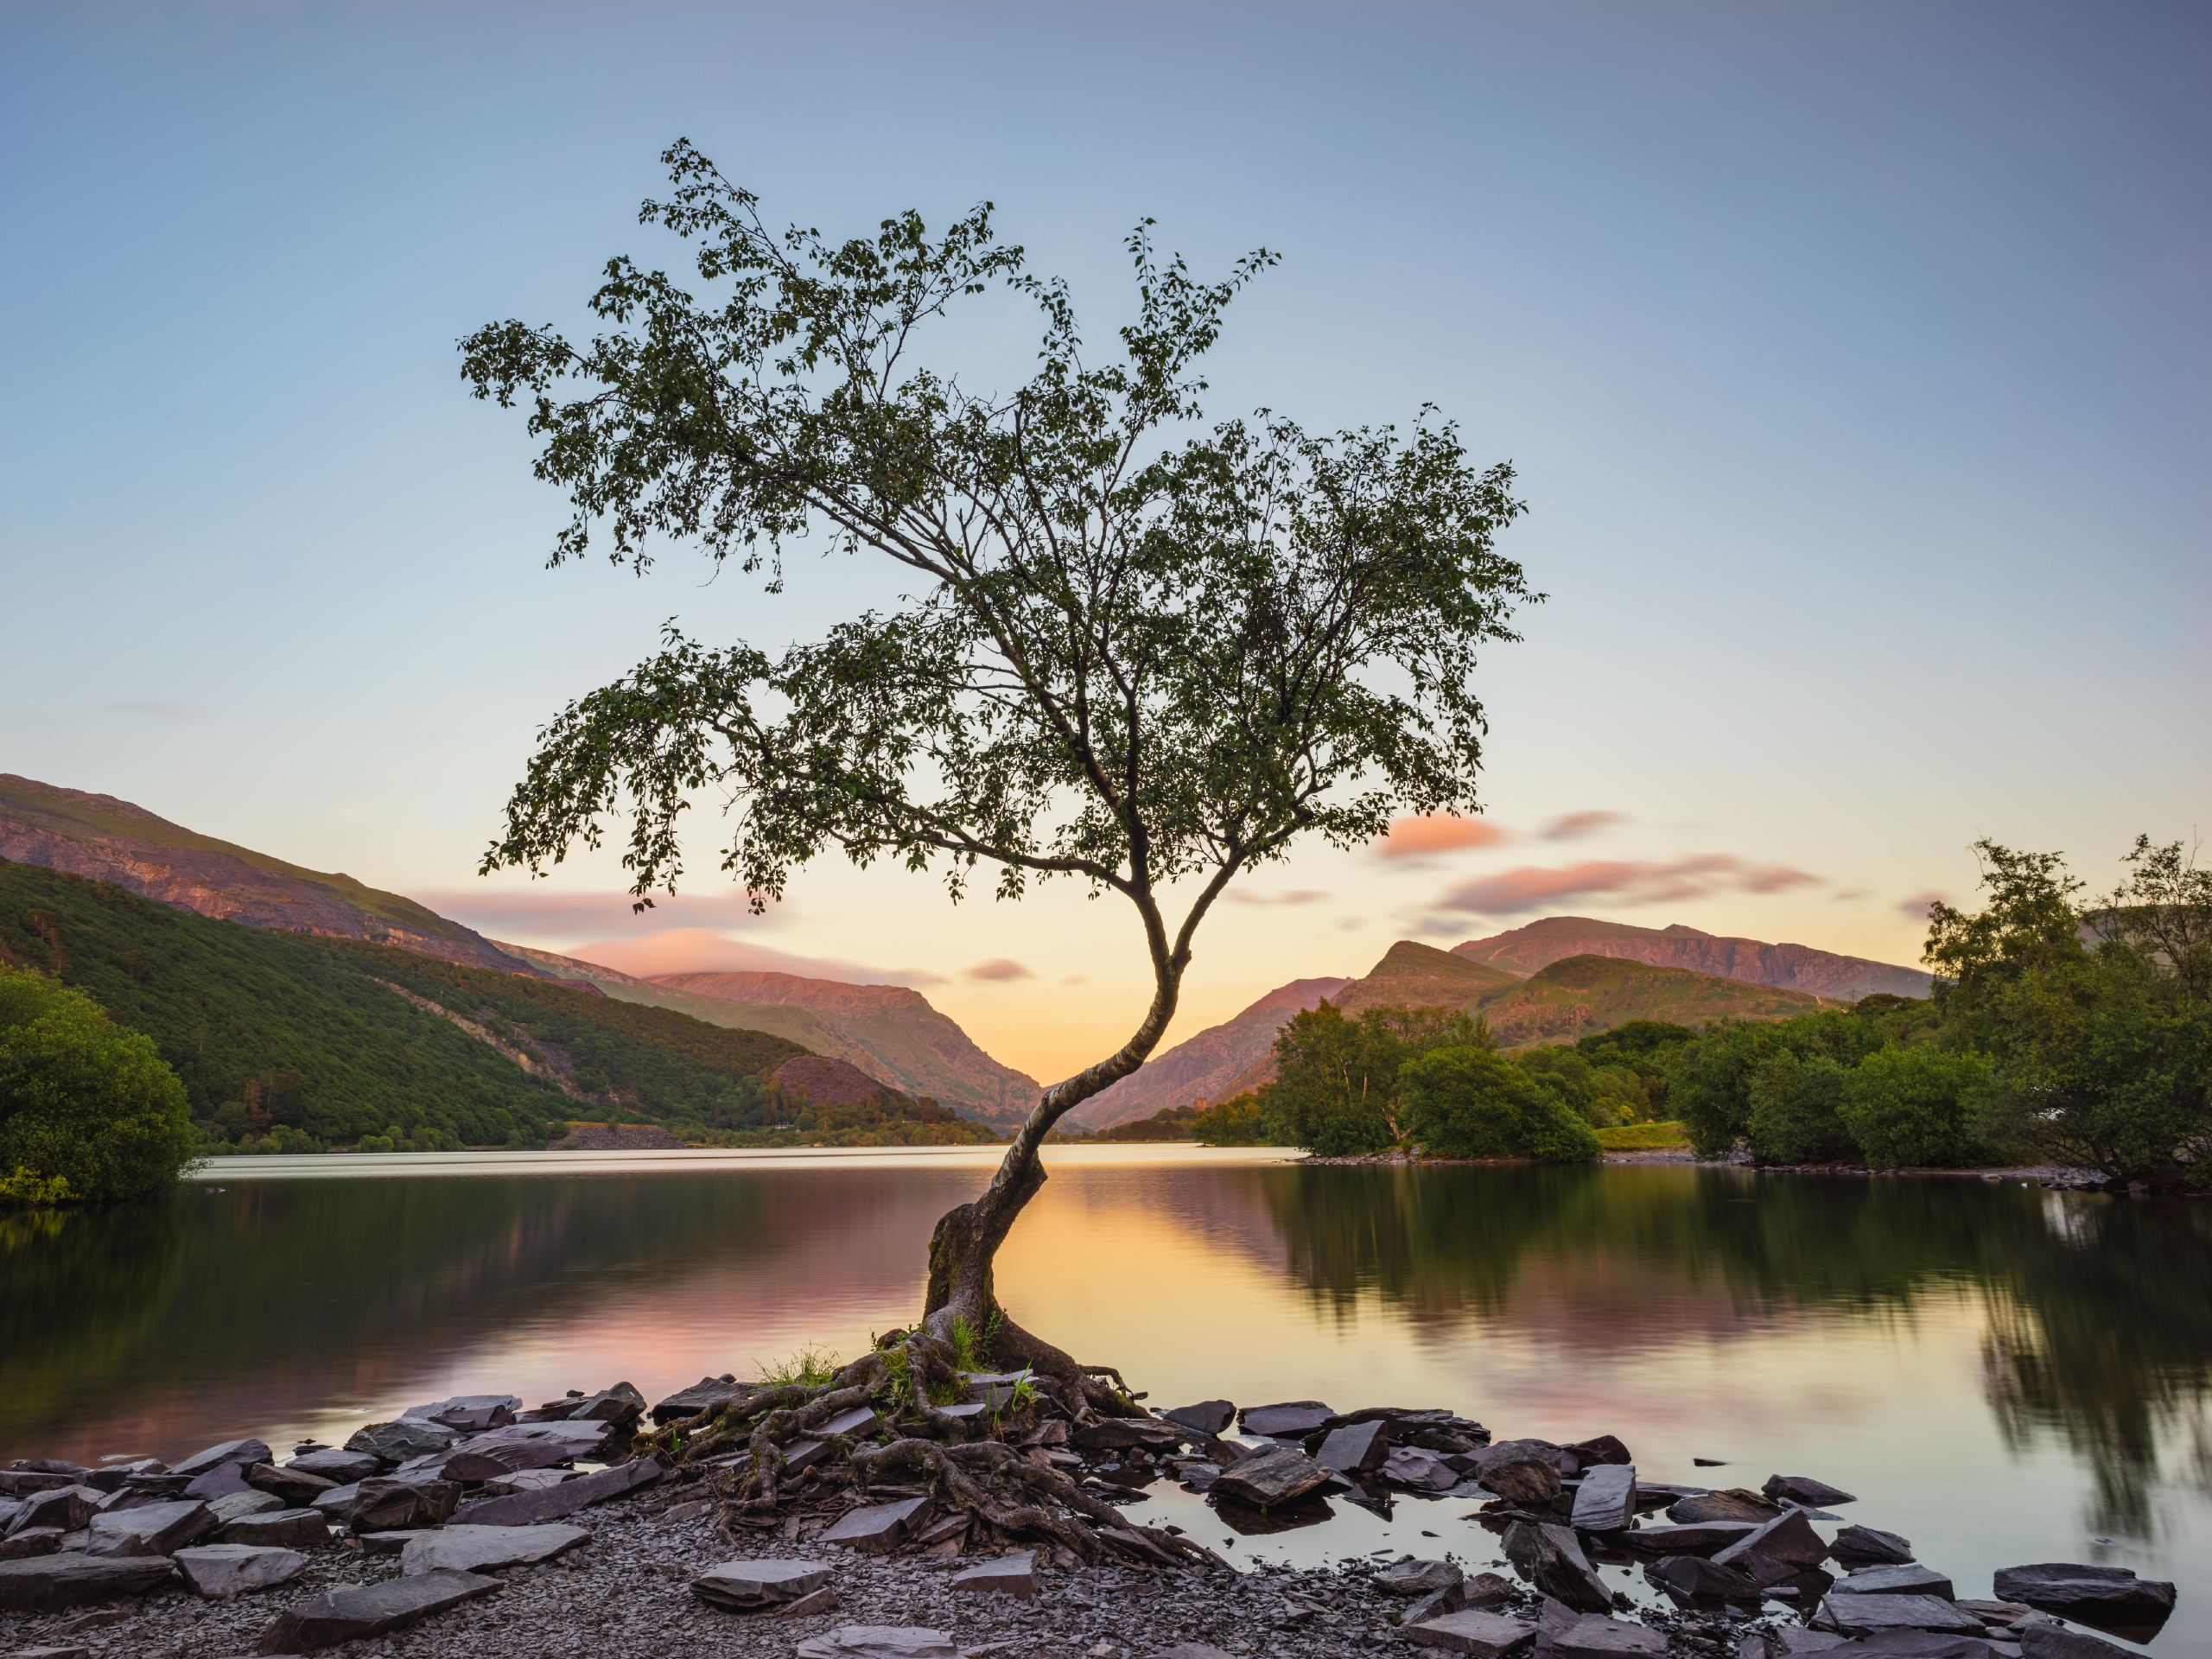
(2099,1325)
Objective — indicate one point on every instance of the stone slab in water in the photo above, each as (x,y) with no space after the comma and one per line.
(2096,1595)
(2056,1642)
(1729,1503)
(1694,1576)
(283,1528)
(463,1548)
(468,1414)
(1788,1539)
(1908,1578)
(1488,1635)
(1014,1574)
(749,1585)
(1871,1544)
(1208,1417)
(1414,1468)
(1693,1538)
(1870,1615)
(620,1404)
(365,1610)
(878,1642)
(1551,1558)
(552,1503)
(1269,1479)
(1605,1501)
(1804,1489)
(1288,1419)
(215,1457)
(43,1583)
(220,1571)
(1118,1433)
(879,1527)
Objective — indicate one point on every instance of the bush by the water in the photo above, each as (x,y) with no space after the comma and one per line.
(1463,1101)
(89,1111)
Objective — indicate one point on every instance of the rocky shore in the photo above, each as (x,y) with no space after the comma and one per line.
(471,1526)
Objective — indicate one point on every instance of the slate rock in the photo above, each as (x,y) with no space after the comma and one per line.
(1418,1470)
(365,1610)
(1868,1615)
(239,1505)
(1596,1636)
(1449,1598)
(878,1642)
(748,1586)
(221,1481)
(51,1653)
(42,1584)
(1603,1448)
(1488,1635)
(620,1404)
(486,1549)
(337,1505)
(1208,1417)
(216,1457)
(1355,1449)
(1413,1578)
(707,1395)
(1804,1489)
(1694,1538)
(151,1528)
(1788,1539)
(1729,1503)
(1120,1433)
(1698,1579)
(332,1464)
(1605,1501)
(32,1540)
(221,1571)
(1012,1574)
(1288,1419)
(2056,1642)
(1908,1578)
(524,1445)
(2096,1595)
(552,1503)
(1271,1479)
(470,1414)
(1788,1642)
(279,1528)
(292,1484)
(527,1480)
(1191,1650)
(387,1505)
(878,1528)
(1521,1471)
(400,1439)
(66,1508)
(861,1420)
(1871,1544)
(1551,1558)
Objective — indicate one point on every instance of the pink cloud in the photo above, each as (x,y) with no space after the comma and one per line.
(1534,886)
(701,949)
(537,912)
(1917,906)
(1000,967)
(1295,896)
(1573,826)
(1424,837)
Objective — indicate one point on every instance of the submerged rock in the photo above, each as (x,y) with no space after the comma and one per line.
(1269,1479)
(1355,1449)
(1290,1420)
(2096,1595)
(1208,1417)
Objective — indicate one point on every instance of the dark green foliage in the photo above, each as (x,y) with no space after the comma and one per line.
(1923,1107)
(1467,1102)
(88,1110)
(1336,1086)
(1796,1113)
(1236,1122)
(2097,1018)
(274,1031)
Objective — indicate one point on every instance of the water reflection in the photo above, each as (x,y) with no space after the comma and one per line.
(2009,1371)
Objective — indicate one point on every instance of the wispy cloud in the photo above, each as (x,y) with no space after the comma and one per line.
(1000,968)
(1534,887)
(700,951)
(1917,906)
(1846,895)
(1427,837)
(150,708)
(1295,896)
(1573,826)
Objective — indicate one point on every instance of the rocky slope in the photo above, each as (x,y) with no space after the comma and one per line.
(112,840)
(1791,967)
(1206,1067)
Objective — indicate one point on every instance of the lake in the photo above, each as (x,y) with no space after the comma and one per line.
(2001,1373)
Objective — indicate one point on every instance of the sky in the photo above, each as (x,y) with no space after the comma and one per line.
(1854,359)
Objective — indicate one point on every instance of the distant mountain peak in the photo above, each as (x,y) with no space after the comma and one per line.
(1753,962)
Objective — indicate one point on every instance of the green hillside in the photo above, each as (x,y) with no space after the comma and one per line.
(276,1029)
(1581,995)
(1412,975)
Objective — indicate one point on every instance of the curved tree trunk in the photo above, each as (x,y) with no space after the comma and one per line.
(966,1240)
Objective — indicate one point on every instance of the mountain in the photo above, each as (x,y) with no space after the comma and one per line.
(1791,967)
(1577,995)
(338,1039)
(1412,976)
(1204,1067)
(112,840)
(890,1032)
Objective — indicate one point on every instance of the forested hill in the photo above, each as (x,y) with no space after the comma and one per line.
(338,1040)
(1787,967)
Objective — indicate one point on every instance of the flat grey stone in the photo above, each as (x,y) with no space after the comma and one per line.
(620,1404)
(552,1503)
(751,1585)
(396,1441)
(293,1485)
(486,1549)
(1730,1503)
(1489,1635)
(524,1445)
(366,1609)
(239,1505)
(151,1528)
(43,1583)
(1693,1538)
(1354,1448)
(878,1642)
(215,1457)
(334,1464)
(1291,1420)
(1411,1578)
(702,1396)
(1862,1544)
(1551,1558)
(1012,1574)
(879,1529)
(220,1571)
(1702,1581)
(1595,1636)
(283,1529)
(2096,1595)
(1870,1615)
(2056,1642)
(1270,1478)
(1191,1650)
(1605,1501)
(67,1509)
(1415,1468)
(1208,1417)
(470,1414)
(1804,1489)
(384,1505)
(338,1503)
(861,1420)
(527,1480)
(32,1540)
(1909,1578)
(1787,1538)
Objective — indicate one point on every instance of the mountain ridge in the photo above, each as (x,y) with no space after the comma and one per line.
(1787,967)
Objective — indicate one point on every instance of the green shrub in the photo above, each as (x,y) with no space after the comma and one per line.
(1796,1111)
(1467,1102)
(1922,1107)
(84,1101)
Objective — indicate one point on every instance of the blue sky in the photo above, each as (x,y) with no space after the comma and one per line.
(1855,359)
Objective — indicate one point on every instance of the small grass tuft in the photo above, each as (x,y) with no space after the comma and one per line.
(807,1368)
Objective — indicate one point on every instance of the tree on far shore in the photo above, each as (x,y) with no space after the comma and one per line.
(1134,649)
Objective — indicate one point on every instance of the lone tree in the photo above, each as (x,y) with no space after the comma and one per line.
(1134,649)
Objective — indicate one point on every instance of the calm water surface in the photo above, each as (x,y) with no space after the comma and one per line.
(2001,1373)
